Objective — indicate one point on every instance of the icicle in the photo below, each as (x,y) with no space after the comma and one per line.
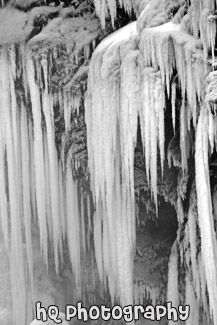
(111,153)
(183,137)
(38,158)
(104,9)
(211,32)
(26,191)
(31,171)
(173,284)
(3,197)
(98,243)
(160,105)
(18,289)
(211,131)
(5,290)
(67,112)
(83,229)
(210,99)
(144,292)
(147,126)
(208,239)
(47,185)
(181,51)
(153,144)
(73,225)
(128,113)
(191,300)
(193,248)
(34,185)
(151,115)
(155,41)
(53,169)
(173,100)
(62,205)
(89,225)
(11,150)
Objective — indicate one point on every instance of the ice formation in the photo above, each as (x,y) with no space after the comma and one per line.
(105,9)
(38,187)
(35,184)
(113,186)
(132,73)
(152,53)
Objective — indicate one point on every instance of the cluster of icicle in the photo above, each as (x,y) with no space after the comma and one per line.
(132,79)
(173,287)
(109,159)
(35,185)
(106,9)
(206,128)
(181,51)
(167,48)
(203,19)
(112,121)
(144,292)
(199,264)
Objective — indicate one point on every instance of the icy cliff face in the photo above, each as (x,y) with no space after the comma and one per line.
(38,186)
(146,93)
(136,72)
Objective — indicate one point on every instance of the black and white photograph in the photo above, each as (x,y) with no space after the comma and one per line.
(108,162)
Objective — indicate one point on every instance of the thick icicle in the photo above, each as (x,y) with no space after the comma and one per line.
(192,301)
(47,104)
(192,231)
(73,225)
(111,145)
(26,190)
(98,244)
(3,189)
(38,157)
(33,178)
(151,115)
(208,239)
(173,284)
(106,8)
(11,145)
(173,101)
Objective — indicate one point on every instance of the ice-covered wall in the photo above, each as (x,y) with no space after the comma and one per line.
(38,178)
(151,68)
(166,55)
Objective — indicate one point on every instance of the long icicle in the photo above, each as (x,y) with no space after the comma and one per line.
(173,284)
(208,239)
(38,158)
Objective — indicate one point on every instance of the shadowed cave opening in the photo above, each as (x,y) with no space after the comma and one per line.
(155,238)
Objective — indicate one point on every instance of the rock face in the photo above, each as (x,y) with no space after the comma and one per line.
(86,190)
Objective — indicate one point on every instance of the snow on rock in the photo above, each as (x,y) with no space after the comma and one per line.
(18,26)
(75,33)
(13,23)
(157,13)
